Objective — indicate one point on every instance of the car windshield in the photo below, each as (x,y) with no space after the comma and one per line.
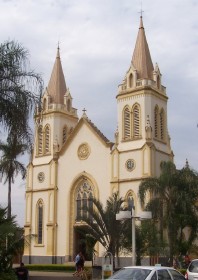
(131,273)
(193,266)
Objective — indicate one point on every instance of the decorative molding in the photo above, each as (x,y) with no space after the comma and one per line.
(83,151)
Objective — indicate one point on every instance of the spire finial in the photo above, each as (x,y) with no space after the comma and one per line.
(141,21)
(58,50)
(84,113)
(187,164)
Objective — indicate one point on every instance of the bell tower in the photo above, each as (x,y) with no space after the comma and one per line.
(142,139)
(56,118)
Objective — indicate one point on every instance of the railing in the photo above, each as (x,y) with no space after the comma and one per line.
(144,82)
(61,107)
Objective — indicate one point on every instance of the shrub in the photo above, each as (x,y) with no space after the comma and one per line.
(8,275)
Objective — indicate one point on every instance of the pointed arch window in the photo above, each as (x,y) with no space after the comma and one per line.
(78,207)
(156,115)
(39,225)
(158,81)
(68,105)
(64,134)
(136,121)
(44,104)
(84,199)
(47,139)
(162,125)
(130,201)
(90,202)
(40,140)
(127,123)
(131,80)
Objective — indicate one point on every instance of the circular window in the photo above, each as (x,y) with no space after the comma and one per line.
(41,176)
(83,151)
(130,164)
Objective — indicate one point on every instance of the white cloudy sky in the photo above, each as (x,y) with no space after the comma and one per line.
(97,38)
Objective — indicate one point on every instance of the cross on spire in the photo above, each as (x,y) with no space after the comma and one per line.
(84,113)
(141,11)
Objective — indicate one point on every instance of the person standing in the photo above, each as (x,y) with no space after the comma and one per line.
(76,260)
(22,272)
(79,261)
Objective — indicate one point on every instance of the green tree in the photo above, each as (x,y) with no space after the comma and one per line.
(20,88)
(10,167)
(172,201)
(11,243)
(103,226)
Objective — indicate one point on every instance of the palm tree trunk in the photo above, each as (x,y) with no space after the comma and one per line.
(171,244)
(9,197)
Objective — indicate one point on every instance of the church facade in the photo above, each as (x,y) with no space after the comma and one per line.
(73,161)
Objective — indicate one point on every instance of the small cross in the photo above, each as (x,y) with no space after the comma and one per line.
(84,111)
(141,11)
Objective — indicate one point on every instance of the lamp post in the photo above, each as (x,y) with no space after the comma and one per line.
(133,236)
(124,215)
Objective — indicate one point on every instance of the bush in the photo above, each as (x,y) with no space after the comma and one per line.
(50,267)
(8,275)
(182,270)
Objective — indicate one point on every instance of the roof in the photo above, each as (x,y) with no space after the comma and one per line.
(100,134)
(57,85)
(141,59)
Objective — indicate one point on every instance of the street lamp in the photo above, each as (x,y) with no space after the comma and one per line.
(124,215)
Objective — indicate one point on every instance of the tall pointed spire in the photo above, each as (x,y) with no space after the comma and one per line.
(141,59)
(57,85)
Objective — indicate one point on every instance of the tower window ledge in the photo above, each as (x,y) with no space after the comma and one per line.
(132,138)
(126,139)
(122,87)
(145,82)
(40,155)
(160,141)
(39,245)
(137,137)
(47,154)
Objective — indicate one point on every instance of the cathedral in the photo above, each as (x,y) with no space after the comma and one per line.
(73,161)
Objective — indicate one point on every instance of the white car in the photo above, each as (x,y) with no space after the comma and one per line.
(192,270)
(147,273)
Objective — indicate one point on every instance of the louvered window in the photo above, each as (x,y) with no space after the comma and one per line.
(136,121)
(156,122)
(40,140)
(64,134)
(162,125)
(47,140)
(40,222)
(127,123)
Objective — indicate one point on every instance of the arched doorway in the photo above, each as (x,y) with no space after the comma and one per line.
(82,194)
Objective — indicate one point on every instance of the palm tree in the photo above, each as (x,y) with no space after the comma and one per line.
(103,226)
(173,198)
(20,88)
(10,167)
(12,242)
